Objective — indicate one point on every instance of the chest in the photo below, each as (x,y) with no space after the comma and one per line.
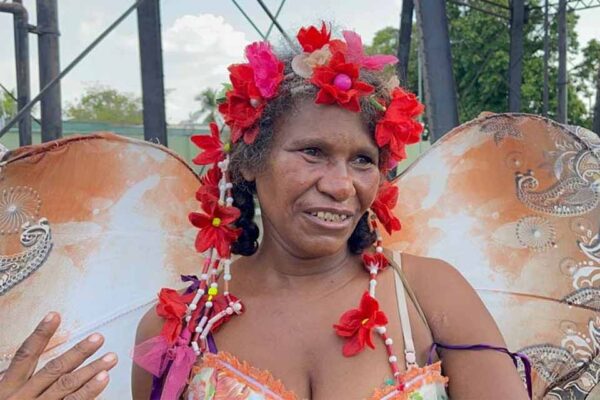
(296,343)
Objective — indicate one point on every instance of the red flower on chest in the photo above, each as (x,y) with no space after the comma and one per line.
(357,325)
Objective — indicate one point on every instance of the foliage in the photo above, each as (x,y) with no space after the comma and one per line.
(103,104)
(480,45)
(8,106)
(208,107)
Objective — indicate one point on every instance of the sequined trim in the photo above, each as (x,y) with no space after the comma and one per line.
(415,378)
(257,379)
(263,381)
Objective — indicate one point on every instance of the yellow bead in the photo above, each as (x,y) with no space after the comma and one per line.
(213,291)
(216,222)
(227,147)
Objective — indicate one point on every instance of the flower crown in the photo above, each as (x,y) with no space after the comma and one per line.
(333,66)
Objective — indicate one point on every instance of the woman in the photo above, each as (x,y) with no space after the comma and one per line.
(312,138)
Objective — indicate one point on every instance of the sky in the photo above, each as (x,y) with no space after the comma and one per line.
(200,39)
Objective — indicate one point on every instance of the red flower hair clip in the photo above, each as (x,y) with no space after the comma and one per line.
(383,207)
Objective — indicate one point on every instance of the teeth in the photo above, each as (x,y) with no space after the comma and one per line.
(329,217)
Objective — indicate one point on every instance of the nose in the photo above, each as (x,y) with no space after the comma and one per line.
(336,182)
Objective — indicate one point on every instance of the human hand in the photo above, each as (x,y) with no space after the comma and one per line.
(60,378)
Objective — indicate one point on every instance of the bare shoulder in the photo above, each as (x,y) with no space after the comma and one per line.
(141,381)
(449,301)
(457,316)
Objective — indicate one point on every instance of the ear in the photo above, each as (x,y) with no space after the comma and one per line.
(248,174)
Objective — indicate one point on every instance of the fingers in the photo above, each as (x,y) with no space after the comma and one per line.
(62,365)
(26,358)
(91,389)
(84,383)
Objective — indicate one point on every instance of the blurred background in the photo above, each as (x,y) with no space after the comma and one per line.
(461,57)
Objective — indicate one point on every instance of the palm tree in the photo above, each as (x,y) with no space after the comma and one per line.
(208,106)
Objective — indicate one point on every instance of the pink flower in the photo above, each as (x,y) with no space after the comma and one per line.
(268,70)
(355,54)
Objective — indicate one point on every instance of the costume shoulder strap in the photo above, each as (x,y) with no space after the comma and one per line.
(402,289)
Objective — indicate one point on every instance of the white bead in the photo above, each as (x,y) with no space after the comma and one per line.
(198,329)
(229,310)
(410,357)
(188,318)
(209,304)
(389,341)
(226,293)
(373,282)
(220,164)
(227,262)
(229,185)
(237,307)
(214,285)
(192,306)
(380,329)
(227,277)
(229,201)
(392,359)
(379,249)
(204,277)
(373,271)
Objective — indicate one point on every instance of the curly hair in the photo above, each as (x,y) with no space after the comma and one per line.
(293,90)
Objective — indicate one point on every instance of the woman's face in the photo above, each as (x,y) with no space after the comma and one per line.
(320,177)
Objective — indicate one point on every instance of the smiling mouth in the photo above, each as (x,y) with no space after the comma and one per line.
(329,216)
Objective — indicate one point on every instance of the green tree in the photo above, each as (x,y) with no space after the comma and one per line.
(587,74)
(8,106)
(480,46)
(208,107)
(103,104)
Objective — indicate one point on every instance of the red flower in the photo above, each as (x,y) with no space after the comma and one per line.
(312,39)
(244,104)
(398,128)
(356,325)
(325,77)
(213,150)
(377,260)
(209,188)
(215,227)
(172,307)
(383,207)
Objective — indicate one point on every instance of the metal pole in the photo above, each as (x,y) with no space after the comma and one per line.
(404,38)
(546,59)
(21,31)
(292,44)
(517,20)
(440,88)
(68,68)
(561,114)
(49,61)
(276,16)
(596,120)
(153,87)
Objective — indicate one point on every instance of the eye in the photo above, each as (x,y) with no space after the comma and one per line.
(311,151)
(364,160)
